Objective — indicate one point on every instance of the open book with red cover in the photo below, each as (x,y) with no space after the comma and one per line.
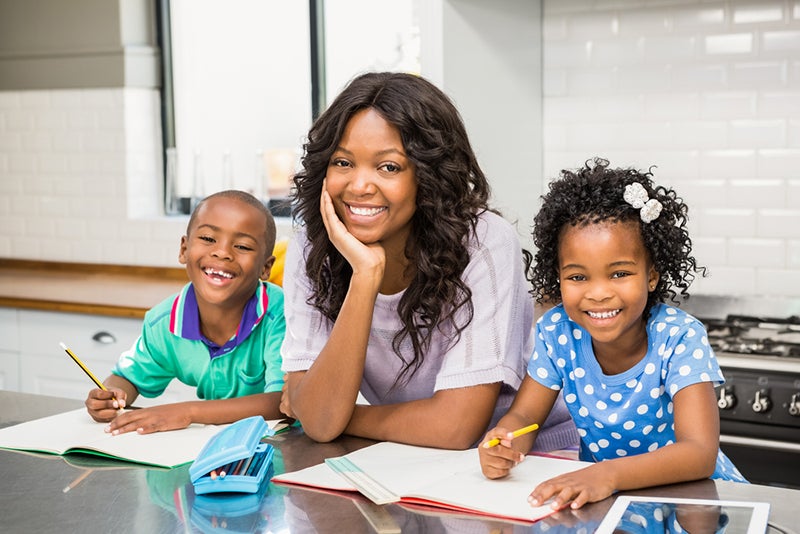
(395,473)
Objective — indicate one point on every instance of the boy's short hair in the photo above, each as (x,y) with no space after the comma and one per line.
(270,231)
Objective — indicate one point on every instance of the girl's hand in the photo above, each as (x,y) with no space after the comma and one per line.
(149,420)
(497,461)
(362,258)
(590,484)
(104,405)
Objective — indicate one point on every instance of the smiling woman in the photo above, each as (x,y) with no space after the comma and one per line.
(402,284)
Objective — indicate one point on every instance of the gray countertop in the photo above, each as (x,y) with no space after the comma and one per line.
(109,496)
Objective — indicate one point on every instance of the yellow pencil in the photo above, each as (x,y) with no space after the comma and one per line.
(85,369)
(515,434)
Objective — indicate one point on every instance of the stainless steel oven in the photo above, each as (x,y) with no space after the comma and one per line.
(757,343)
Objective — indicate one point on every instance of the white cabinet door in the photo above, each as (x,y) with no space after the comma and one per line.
(97,340)
(9,349)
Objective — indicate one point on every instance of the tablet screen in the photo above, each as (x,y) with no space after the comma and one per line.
(657,515)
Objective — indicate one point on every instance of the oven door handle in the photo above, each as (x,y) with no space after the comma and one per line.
(760,443)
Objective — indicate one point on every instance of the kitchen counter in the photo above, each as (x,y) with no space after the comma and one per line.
(111,496)
(116,290)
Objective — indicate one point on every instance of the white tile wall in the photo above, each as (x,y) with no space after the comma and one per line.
(79,178)
(709,92)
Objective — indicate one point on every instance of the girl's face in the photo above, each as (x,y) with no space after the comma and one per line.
(606,274)
(372,183)
(225,252)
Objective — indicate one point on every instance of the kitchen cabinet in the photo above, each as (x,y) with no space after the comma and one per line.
(98,340)
(9,350)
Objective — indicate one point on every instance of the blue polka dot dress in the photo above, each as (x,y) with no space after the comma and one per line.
(629,413)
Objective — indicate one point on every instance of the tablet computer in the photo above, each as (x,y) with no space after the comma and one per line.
(633,515)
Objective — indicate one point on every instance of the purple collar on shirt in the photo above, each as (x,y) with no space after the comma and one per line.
(184,320)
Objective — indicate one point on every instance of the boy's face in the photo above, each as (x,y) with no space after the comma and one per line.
(225,252)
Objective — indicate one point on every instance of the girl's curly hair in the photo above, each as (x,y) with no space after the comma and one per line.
(594,194)
(451,193)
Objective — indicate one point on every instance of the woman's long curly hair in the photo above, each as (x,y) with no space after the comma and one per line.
(594,194)
(451,193)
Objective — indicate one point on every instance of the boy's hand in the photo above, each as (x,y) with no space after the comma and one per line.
(497,461)
(104,406)
(590,484)
(149,420)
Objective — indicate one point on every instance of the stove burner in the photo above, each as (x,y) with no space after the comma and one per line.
(744,334)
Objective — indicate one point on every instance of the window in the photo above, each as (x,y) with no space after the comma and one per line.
(239,86)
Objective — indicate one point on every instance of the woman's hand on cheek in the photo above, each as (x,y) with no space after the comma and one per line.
(361,257)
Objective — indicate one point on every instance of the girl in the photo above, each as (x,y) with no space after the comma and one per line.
(401,283)
(637,375)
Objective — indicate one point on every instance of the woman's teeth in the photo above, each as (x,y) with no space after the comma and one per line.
(603,315)
(367,212)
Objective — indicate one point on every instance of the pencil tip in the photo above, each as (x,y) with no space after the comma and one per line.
(62,345)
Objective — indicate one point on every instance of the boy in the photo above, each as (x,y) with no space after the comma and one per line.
(222,333)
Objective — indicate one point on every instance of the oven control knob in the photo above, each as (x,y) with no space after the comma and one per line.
(794,405)
(727,399)
(761,403)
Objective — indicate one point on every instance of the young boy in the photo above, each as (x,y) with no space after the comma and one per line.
(222,333)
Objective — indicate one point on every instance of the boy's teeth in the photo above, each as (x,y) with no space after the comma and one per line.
(219,273)
(366,211)
(603,315)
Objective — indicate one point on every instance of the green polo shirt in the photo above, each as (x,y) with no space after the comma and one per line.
(171,346)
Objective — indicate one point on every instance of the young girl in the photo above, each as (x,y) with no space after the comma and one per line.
(637,375)
(401,283)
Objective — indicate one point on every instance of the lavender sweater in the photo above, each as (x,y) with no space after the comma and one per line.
(494,347)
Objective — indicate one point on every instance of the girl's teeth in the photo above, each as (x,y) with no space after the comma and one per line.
(603,315)
(366,211)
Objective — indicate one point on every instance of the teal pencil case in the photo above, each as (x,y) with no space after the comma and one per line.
(234,460)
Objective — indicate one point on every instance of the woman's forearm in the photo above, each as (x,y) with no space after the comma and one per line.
(323,398)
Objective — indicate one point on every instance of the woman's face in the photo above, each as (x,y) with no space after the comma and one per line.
(372,182)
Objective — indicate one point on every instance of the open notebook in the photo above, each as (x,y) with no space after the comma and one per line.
(391,472)
(77,432)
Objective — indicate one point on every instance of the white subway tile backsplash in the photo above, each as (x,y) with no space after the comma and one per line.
(592,25)
(776,282)
(728,222)
(670,106)
(784,104)
(689,17)
(781,41)
(699,135)
(728,105)
(769,133)
(729,43)
(757,12)
(793,254)
(778,163)
(756,253)
(727,281)
(592,82)
(755,75)
(759,193)
(783,223)
(671,48)
(709,250)
(616,52)
(728,163)
(689,77)
(703,193)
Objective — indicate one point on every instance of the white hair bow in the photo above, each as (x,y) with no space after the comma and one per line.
(636,195)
